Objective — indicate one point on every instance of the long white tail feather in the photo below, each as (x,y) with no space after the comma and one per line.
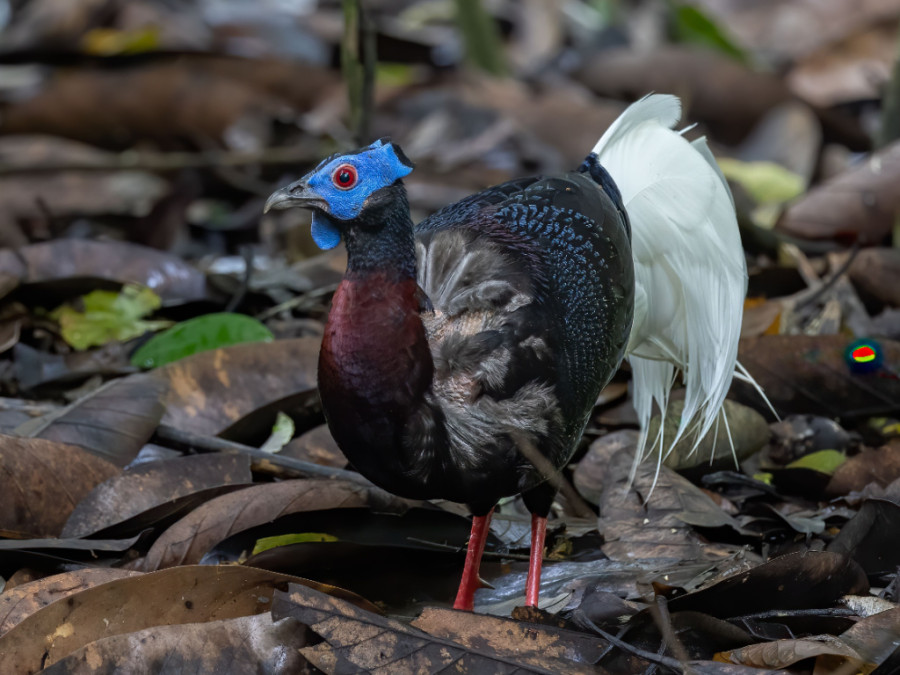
(690,273)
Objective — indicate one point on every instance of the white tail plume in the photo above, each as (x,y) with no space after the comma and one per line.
(690,273)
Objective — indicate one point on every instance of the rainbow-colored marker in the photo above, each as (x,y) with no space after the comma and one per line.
(864,356)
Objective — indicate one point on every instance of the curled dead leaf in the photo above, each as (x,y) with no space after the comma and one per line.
(22,601)
(190,538)
(43,481)
(72,260)
(861,204)
(183,595)
(112,422)
(208,392)
(245,644)
(165,482)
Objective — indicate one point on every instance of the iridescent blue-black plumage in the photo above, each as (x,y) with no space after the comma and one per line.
(497,323)
(462,357)
(456,349)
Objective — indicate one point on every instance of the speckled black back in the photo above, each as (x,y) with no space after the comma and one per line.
(573,235)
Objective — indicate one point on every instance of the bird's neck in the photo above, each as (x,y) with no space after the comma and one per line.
(383,244)
(375,365)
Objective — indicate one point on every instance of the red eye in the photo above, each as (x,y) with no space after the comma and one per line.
(344,176)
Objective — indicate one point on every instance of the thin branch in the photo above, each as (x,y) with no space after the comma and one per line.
(263,462)
(304,301)
(241,292)
(660,613)
(358,67)
(659,660)
(554,477)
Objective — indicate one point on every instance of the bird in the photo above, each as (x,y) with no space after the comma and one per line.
(463,356)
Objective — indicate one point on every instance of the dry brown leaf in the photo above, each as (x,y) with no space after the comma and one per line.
(795,581)
(870,538)
(247,644)
(539,646)
(181,595)
(881,466)
(809,374)
(875,637)
(72,194)
(591,475)
(633,529)
(42,481)
(37,369)
(317,446)
(15,412)
(716,90)
(761,318)
(783,653)
(169,276)
(152,484)
(112,422)
(861,204)
(566,118)
(747,433)
(856,69)
(210,391)
(168,101)
(190,538)
(360,641)
(25,599)
(876,271)
(788,30)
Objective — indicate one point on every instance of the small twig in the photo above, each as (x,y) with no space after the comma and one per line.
(298,301)
(812,294)
(554,477)
(666,661)
(174,161)
(788,613)
(462,549)
(660,613)
(241,292)
(262,461)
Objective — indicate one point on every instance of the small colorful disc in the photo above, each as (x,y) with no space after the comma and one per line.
(864,356)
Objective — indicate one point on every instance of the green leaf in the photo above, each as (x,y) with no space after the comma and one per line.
(693,26)
(210,331)
(282,433)
(395,74)
(765,182)
(108,316)
(267,543)
(823,461)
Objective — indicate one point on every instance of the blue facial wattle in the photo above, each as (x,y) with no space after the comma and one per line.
(377,166)
(324,232)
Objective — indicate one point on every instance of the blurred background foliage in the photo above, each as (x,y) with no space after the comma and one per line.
(163,124)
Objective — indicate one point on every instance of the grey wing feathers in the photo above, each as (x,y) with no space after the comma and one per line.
(485,338)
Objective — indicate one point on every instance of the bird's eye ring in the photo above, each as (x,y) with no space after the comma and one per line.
(344,177)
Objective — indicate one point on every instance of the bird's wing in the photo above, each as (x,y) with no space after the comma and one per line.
(492,367)
(690,272)
(521,325)
(468,209)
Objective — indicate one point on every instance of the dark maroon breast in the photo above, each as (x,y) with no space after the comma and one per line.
(374,370)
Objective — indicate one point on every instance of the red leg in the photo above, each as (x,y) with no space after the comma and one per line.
(533,585)
(465,597)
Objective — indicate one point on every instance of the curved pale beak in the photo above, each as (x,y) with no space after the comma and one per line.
(295,194)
